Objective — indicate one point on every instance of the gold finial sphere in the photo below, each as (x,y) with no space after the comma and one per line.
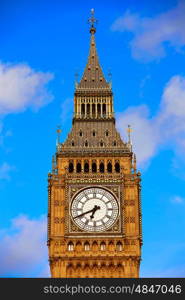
(92,20)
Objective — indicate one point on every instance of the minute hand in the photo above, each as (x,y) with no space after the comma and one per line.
(89,211)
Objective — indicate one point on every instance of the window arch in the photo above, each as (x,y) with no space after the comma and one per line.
(71,167)
(106,132)
(80,133)
(119,246)
(101,144)
(86,143)
(102,246)
(72,143)
(109,167)
(86,246)
(70,246)
(86,167)
(94,167)
(117,167)
(102,168)
(78,167)
(94,133)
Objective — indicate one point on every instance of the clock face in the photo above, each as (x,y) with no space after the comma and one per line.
(94,209)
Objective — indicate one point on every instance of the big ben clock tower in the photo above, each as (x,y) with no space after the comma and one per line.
(94,213)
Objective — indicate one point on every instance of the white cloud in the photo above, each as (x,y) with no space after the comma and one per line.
(129,22)
(144,135)
(171,118)
(22,87)
(166,128)
(5,170)
(151,34)
(174,97)
(177,199)
(23,251)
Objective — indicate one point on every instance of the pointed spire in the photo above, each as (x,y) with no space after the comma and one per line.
(93,77)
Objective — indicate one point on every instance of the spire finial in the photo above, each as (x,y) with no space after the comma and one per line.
(92,20)
(129,130)
(58,134)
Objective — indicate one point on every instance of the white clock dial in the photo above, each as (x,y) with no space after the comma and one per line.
(94,209)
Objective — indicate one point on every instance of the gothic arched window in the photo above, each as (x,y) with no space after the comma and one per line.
(109,167)
(86,167)
(70,246)
(71,167)
(117,167)
(94,167)
(119,246)
(78,167)
(102,167)
(86,246)
(102,246)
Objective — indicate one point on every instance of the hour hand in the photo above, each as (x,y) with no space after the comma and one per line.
(94,210)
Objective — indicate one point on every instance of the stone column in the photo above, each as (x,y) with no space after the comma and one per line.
(108,108)
(85,108)
(80,105)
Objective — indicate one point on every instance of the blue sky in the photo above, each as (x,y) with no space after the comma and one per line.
(42,45)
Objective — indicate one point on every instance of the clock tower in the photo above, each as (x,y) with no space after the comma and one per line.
(94,212)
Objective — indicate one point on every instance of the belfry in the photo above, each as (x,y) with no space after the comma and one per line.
(94,211)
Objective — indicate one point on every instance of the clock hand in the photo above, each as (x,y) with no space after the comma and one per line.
(91,210)
(94,210)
